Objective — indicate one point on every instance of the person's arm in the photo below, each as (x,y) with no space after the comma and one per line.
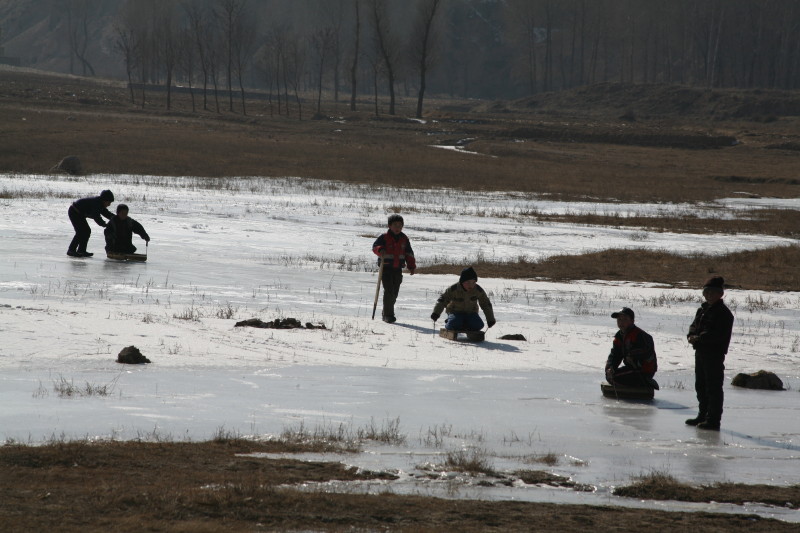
(138,229)
(442,302)
(111,235)
(411,261)
(615,355)
(486,305)
(379,245)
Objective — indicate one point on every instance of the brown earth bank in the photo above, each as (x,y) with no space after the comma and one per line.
(771,269)
(212,486)
(582,151)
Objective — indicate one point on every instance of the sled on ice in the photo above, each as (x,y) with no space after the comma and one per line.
(469,336)
(624,392)
(126,257)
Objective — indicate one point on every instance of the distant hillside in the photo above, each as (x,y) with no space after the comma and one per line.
(36,31)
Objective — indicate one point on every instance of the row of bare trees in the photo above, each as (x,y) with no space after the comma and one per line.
(466,48)
(212,42)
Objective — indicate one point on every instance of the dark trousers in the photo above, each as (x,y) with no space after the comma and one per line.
(464,322)
(82,231)
(709,375)
(391,280)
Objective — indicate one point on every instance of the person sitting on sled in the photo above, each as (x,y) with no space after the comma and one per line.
(633,347)
(462,301)
(119,232)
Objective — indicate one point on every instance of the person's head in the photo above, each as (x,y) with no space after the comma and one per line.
(396,223)
(714,289)
(122,211)
(468,278)
(625,318)
(107,197)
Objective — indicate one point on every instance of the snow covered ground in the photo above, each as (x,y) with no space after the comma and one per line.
(227,250)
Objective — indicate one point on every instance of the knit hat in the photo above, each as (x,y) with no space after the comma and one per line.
(107,196)
(715,282)
(467,274)
(624,311)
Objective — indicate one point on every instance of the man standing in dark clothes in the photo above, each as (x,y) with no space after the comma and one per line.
(635,350)
(710,335)
(395,249)
(79,211)
(119,232)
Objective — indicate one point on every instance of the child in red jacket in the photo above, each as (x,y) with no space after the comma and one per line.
(395,250)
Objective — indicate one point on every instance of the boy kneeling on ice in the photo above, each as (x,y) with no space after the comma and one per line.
(462,301)
(119,232)
(635,350)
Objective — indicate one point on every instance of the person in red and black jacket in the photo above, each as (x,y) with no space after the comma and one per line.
(635,348)
(395,249)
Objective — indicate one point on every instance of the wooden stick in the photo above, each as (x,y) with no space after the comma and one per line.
(378,288)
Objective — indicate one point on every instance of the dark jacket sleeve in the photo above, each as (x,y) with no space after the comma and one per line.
(486,305)
(378,245)
(410,259)
(616,354)
(445,298)
(111,234)
(138,229)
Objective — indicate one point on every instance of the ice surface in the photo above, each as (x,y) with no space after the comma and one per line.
(294,248)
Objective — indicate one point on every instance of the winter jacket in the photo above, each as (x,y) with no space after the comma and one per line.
(457,300)
(119,234)
(92,208)
(636,349)
(712,325)
(396,249)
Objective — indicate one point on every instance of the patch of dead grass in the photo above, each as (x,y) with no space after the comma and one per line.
(662,486)
(213,486)
(770,269)
(48,117)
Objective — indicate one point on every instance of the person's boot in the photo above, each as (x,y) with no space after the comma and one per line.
(72,254)
(85,254)
(709,424)
(696,421)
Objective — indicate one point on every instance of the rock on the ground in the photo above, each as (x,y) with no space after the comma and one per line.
(70,165)
(131,356)
(758,380)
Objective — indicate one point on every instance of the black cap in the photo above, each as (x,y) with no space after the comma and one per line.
(107,196)
(624,311)
(717,282)
(467,274)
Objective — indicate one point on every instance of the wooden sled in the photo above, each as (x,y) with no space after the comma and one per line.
(623,392)
(126,257)
(471,336)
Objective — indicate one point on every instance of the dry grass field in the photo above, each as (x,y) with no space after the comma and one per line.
(215,486)
(615,149)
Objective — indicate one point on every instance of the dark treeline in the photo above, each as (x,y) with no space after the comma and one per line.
(496,49)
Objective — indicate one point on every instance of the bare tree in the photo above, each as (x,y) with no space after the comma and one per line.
(423,43)
(356,52)
(79,13)
(322,43)
(127,44)
(229,13)
(198,20)
(387,46)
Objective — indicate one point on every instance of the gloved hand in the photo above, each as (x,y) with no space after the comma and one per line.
(435,316)
(147,240)
(491,323)
(609,374)
(411,271)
